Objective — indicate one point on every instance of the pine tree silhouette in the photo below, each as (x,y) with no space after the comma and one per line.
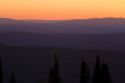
(1,72)
(96,77)
(54,72)
(12,79)
(104,74)
(51,76)
(84,74)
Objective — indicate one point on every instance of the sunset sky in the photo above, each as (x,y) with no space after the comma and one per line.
(61,9)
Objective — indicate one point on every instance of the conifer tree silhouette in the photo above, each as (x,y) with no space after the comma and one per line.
(96,77)
(1,72)
(84,73)
(104,74)
(51,76)
(54,72)
(12,79)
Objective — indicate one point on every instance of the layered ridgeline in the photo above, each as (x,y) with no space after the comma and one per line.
(95,25)
(103,33)
(38,40)
(114,41)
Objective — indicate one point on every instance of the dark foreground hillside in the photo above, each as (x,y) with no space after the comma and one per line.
(32,64)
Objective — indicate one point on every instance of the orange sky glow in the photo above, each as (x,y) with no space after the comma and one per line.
(61,9)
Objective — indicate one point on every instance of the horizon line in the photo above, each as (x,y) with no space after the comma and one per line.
(64,19)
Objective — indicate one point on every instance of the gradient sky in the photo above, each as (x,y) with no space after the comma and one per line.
(61,9)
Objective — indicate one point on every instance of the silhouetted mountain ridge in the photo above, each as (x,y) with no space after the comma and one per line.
(111,41)
(95,25)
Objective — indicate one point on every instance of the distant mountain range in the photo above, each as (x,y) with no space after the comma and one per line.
(95,25)
(112,41)
(98,33)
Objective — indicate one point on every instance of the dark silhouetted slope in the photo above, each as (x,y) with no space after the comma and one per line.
(31,64)
(79,41)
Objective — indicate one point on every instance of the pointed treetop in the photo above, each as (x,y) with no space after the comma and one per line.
(96,70)
(56,58)
(98,58)
(84,73)
(83,64)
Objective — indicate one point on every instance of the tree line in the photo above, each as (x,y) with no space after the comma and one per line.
(101,72)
